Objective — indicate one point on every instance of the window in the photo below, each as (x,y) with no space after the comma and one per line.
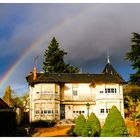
(75,93)
(36,111)
(75,89)
(107,110)
(50,111)
(45,111)
(56,111)
(110,90)
(101,91)
(102,111)
(78,112)
(37,92)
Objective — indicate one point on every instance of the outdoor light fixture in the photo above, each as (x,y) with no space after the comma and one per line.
(88,107)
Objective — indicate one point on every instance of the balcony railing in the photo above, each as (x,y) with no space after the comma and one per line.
(80,98)
(48,97)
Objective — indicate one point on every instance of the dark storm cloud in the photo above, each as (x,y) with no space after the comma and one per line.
(85,31)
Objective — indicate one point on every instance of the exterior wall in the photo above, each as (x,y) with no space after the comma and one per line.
(44,102)
(72,111)
(105,100)
(84,91)
(46,97)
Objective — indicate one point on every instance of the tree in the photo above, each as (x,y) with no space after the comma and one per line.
(54,60)
(79,125)
(92,127)
(114,124)
(25,101)
(131,99)
(8,97)
(134,57)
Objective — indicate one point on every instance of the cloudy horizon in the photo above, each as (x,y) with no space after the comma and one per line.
(85,31)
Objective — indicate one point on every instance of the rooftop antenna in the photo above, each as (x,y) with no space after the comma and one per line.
(108,60)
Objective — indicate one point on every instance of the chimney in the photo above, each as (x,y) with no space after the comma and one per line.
(34,73)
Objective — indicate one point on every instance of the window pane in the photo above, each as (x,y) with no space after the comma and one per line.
(75,92)
(112,90)
(101,110)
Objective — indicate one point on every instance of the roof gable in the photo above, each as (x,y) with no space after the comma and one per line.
(3,105)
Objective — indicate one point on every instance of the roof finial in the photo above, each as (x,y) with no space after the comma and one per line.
(108,61)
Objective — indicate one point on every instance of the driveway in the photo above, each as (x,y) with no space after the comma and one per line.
(56,131)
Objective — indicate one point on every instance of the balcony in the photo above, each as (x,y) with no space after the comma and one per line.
(80,98)
(47,97)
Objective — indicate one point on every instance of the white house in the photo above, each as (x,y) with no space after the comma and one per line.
(66,95)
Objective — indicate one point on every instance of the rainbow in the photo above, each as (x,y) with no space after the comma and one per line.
(34,46)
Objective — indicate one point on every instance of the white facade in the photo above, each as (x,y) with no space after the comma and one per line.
(50,101)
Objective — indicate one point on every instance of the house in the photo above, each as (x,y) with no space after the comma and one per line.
(7,116)
(66,95)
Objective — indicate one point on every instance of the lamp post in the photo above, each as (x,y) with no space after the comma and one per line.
(88,107)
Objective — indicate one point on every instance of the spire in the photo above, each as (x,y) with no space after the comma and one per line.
(108,61)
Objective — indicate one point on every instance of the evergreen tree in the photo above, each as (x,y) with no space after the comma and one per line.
(8,96)
(79,125)
(114,124)
(92,127)
(54,59)
(134,57)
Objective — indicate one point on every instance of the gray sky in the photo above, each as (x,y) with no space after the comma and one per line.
(85,31)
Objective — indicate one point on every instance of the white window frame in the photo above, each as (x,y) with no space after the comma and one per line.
(102,111)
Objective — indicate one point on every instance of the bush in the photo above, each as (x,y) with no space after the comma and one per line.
(71,132)
(42,123)
(114,124)
(92,127)
(79,125)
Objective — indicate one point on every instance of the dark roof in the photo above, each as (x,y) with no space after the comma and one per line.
(74,78)
(3,105)
(109,69)
(109,75)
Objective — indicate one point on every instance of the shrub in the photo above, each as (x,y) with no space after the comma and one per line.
(42,123)
(114,124)
(71,132)
(79,125)
(92,127)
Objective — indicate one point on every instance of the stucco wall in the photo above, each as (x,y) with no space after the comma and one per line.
(85,92)
(45,93)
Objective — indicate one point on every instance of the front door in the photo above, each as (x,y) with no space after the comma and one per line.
(62,111)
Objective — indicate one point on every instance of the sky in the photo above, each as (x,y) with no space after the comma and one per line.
(85,31)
